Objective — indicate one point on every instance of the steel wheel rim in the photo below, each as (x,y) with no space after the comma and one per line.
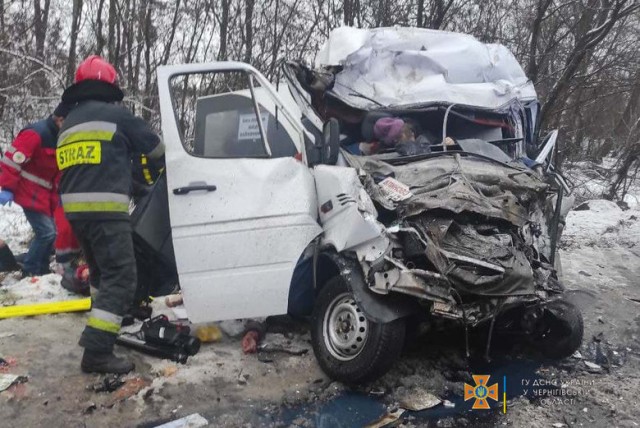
(345,328)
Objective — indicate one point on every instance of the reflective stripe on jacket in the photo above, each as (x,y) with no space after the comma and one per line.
(95,150)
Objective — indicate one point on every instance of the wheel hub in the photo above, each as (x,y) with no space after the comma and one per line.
(345,328)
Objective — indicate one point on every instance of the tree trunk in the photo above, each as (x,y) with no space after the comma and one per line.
(349,12)
(224,28)
(420,17)
(100,41)
(113,47)
(41,22)
(536,26)
(248,24)
(75,25)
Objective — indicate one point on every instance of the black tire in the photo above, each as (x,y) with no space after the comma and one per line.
(561,330)
(376,346)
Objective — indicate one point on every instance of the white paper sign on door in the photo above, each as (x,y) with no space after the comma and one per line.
(248,128)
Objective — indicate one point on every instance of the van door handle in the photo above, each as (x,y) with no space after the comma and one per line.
(194,187)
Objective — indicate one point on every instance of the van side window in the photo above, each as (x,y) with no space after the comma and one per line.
(218,117)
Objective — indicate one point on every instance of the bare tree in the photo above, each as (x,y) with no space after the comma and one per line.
(73,39)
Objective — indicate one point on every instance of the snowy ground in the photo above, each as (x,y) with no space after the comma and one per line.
(600,255)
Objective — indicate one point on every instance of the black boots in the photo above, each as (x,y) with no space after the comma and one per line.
(8,262)
(94,362)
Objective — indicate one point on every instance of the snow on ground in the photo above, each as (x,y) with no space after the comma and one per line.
(16,232)
(602,223)
(45,288)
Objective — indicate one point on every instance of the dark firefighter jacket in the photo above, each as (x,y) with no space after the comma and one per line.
(96,147)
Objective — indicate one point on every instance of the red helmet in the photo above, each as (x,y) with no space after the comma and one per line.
(96,68)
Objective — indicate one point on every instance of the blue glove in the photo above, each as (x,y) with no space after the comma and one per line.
(6,197)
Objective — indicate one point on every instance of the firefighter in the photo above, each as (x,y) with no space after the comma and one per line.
(28,177)
(95,150)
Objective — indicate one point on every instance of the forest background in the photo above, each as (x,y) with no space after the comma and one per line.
(582,55)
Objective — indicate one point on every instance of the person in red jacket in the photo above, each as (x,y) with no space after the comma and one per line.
(29,177)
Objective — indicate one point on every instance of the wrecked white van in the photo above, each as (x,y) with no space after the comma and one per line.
(273,207)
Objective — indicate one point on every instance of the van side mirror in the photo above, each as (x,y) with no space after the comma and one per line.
(330,142)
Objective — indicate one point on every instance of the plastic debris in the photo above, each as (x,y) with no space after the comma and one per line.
(592,366)
(418,399)
(194,420)
(208,333)
(448,404)
(387,419)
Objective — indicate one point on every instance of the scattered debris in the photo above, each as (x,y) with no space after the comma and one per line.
(108,384)
(417,399)
(592,367)
(6,380)
(169,371)
(558,425)
(130,388)
(208,333)
(448,404)
(275,348)
(194,420)
(387,419)
(242,378)
(89,409)
(173,300)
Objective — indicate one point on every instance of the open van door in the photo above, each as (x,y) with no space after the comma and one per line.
(242,199)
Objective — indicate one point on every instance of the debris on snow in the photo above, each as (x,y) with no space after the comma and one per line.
(448,404)
(194,420)
(6,380)
(418,399)
(387,419)
(130,388)
(109,383)
(593,367)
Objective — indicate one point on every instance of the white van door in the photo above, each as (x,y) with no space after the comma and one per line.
(241,197)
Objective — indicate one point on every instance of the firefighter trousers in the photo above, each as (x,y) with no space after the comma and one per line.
(108,249)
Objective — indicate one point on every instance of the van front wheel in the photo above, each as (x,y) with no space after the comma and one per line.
(349,347)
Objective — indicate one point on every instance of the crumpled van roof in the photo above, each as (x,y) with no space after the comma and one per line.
(405,67)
